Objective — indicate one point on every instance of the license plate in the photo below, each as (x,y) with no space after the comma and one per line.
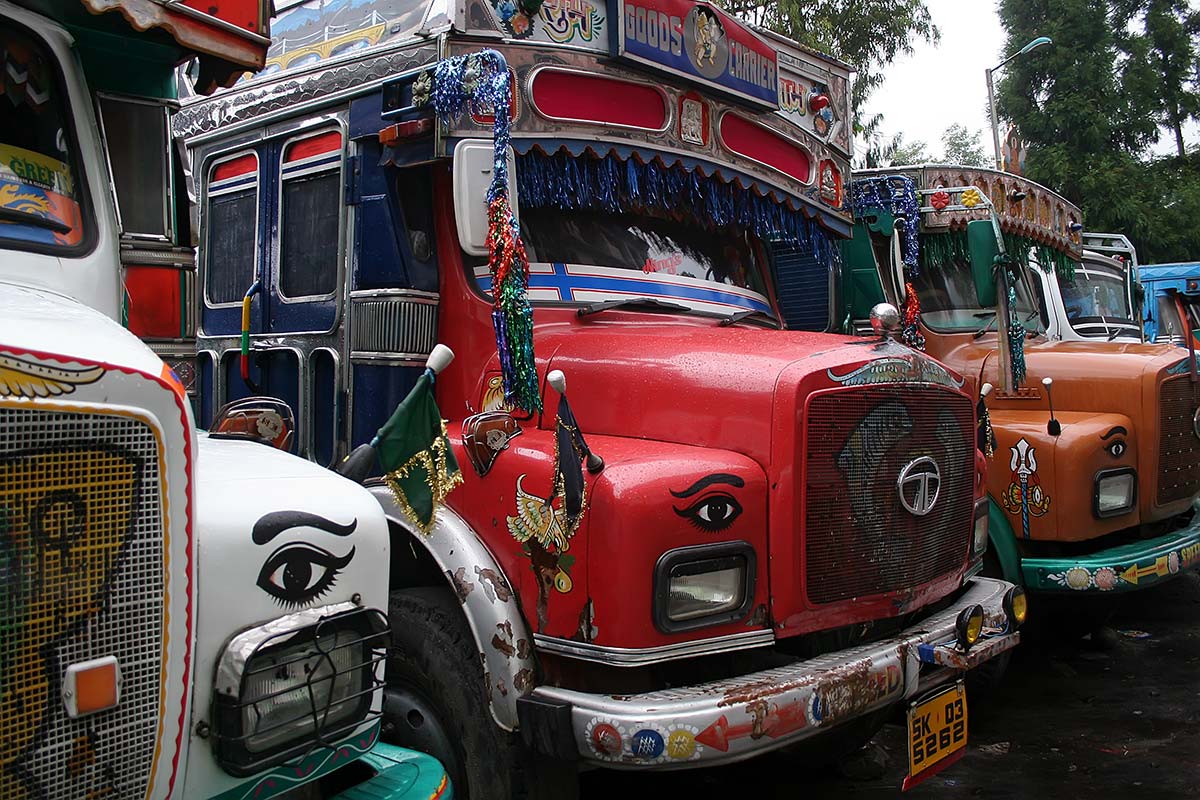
(937,733)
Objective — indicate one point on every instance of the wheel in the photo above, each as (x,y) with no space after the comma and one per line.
(435,703)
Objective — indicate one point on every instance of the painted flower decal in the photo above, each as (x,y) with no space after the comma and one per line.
(520,23)
(971,198)
(1105,578)
(940,200)
(506,9)
(1078,578)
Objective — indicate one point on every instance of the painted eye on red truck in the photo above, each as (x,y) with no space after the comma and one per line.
(299,573)
(716,512)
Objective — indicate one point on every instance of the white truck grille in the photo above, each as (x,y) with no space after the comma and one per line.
(81,577)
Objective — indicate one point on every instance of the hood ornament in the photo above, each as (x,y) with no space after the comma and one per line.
(919,484)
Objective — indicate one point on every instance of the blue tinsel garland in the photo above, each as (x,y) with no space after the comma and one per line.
(896,194)
(609,183)
(1016,338)
(480,83)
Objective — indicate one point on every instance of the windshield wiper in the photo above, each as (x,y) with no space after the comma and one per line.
(991,315)
(739,316)
(639,303)
(31,218)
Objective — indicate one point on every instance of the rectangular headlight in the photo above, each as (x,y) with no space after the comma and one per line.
(979,534)
(1116,492)
(703,585)
(299,681)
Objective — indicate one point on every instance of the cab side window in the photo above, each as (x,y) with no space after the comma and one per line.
(310,215)
(232,228)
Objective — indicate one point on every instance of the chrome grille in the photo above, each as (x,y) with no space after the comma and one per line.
(81,577)
(859,538)
(393,326)
(1178,447)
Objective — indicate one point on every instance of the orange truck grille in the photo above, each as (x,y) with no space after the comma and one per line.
(860,540)
(1178,447)
(81,578)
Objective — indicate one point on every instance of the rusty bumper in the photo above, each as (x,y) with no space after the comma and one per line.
(738,718)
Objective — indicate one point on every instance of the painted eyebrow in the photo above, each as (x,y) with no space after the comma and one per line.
(709,480)
(1113,432)
(275,523)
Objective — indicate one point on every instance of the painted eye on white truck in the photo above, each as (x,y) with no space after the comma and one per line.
(299,573)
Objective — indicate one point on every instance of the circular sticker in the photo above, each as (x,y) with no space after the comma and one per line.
(682,745)
(1105,578)
(1078,578)
(647,744)
(606,738)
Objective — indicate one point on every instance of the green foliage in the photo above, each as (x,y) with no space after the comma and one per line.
(1089,106)
(962,146)
(867,34)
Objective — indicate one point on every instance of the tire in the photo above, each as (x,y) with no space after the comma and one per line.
(436,702)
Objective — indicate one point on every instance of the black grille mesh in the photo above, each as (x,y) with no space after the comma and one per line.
(1178,447)
(860,540)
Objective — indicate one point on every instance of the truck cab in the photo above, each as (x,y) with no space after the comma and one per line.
(1095,475)
(1099,299)
(1172,303)
(779,530)
(185,613)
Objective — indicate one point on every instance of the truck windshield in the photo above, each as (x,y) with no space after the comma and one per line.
(1098,294)
(585,256)
(948,302)
(40,188)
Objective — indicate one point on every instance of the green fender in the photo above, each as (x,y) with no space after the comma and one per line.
(1004,544)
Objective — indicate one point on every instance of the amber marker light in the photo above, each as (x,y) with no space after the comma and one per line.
(1015,607)
(969,626)
(92,686)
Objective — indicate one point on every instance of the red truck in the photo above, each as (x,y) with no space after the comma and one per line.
(779,529)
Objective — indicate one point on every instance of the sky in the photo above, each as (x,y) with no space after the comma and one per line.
(940,85)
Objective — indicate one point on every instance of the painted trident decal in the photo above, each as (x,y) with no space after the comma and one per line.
(1024,494)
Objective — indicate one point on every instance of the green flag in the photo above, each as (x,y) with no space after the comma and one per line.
(416,457)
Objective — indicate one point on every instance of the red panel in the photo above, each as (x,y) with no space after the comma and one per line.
(242,165)
(754,141)
(326,142)
(246,14)
(155,305)
(591,98)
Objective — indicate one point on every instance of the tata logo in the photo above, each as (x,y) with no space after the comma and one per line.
(918,486)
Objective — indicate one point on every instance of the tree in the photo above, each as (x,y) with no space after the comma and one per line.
(964,147)
(1167,56)
(867,34)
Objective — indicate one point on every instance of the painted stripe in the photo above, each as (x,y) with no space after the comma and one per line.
(318,164)
(579,284)
(233,185)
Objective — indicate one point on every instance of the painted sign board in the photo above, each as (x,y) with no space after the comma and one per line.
(698,42)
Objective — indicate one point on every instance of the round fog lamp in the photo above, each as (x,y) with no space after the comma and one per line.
(969,626)
(1015,607)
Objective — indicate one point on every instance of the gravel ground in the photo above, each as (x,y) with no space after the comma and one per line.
(1115,714)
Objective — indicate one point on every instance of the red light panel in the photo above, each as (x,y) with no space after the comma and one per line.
(155,303)
(753,141)
(327,142)
(242,165)
(605,101)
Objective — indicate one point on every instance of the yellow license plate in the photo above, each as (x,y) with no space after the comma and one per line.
(937,733)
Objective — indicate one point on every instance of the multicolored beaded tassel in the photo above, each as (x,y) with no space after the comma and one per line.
(480,83)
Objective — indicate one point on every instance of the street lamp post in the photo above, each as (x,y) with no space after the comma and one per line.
(1036,43)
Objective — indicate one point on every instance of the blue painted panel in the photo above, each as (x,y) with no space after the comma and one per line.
(802,287)
(377,390)
(324,405)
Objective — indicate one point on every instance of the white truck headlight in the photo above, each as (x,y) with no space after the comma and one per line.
(1116,492)
(299,681)
(703,585)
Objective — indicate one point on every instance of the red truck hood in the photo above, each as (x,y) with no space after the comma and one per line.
(696,384)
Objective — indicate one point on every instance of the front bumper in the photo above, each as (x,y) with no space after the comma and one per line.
(1118,569)
(738,718)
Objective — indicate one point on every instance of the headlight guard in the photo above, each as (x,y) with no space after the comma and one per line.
(299,682)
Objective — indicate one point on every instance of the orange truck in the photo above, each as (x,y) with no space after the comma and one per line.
(1096,468)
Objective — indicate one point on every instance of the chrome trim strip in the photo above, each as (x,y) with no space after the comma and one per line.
(643,656)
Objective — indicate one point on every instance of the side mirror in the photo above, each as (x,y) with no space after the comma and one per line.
(256,419)
(983,251)
(472,177)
